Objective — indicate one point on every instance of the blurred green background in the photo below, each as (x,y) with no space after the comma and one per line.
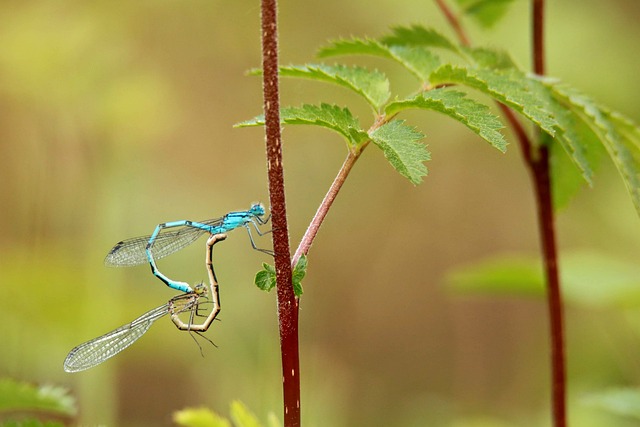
(117,115)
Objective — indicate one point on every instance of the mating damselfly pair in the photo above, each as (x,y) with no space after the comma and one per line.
(159,244)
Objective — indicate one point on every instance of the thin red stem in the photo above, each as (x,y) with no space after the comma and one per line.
(546,222)
(520,132)
(454,22)
(537,15)
(332,193)
(323,209)
(537,159)
(287,302)
(541,173)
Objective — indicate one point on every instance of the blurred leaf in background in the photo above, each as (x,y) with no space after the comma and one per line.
(30,404)
(589,279)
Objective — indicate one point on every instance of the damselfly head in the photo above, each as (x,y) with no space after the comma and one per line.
(257,209)
(200,289)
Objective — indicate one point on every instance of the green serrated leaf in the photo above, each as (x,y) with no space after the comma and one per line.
(256,121)
(511,87)
(485,57)
(456,105)
(567,178)
(372,85)
(575,140)
(620,137)
(353,46)
(199,417)
(266,278)
(485,12)
(416,59)
(298,274)
(532,98)
(417,35)
(400,146)
(329,116)
(16,396)
(620,401)
(242,416)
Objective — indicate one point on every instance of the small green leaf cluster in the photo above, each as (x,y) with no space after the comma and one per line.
(578,130)
(241,416)
(266,278)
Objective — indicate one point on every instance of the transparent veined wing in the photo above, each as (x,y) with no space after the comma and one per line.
(99,349)
(132,251)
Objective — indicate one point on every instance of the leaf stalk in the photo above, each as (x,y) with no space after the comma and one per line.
(323,209)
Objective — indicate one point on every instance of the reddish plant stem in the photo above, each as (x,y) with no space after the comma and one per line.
(546,220)
(332,193)
(323,209)
(454,22)
(287,302)
(537,160)
(520,132)
(541,173)
(336,185)
(537,15)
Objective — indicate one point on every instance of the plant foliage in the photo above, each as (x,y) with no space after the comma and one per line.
(456,105)
(579,130)
(331,117)
(241,416)
(589,279)
(624,402)
(485,12)
(24,398)
(400,146)
(266,278)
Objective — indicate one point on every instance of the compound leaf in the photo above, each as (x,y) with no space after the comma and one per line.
(474,115)
(353,46)
(510,87)
(400,146)
(485,57)
(418,60)
(417,35)
(619,135)
(329,116)
(372,85)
